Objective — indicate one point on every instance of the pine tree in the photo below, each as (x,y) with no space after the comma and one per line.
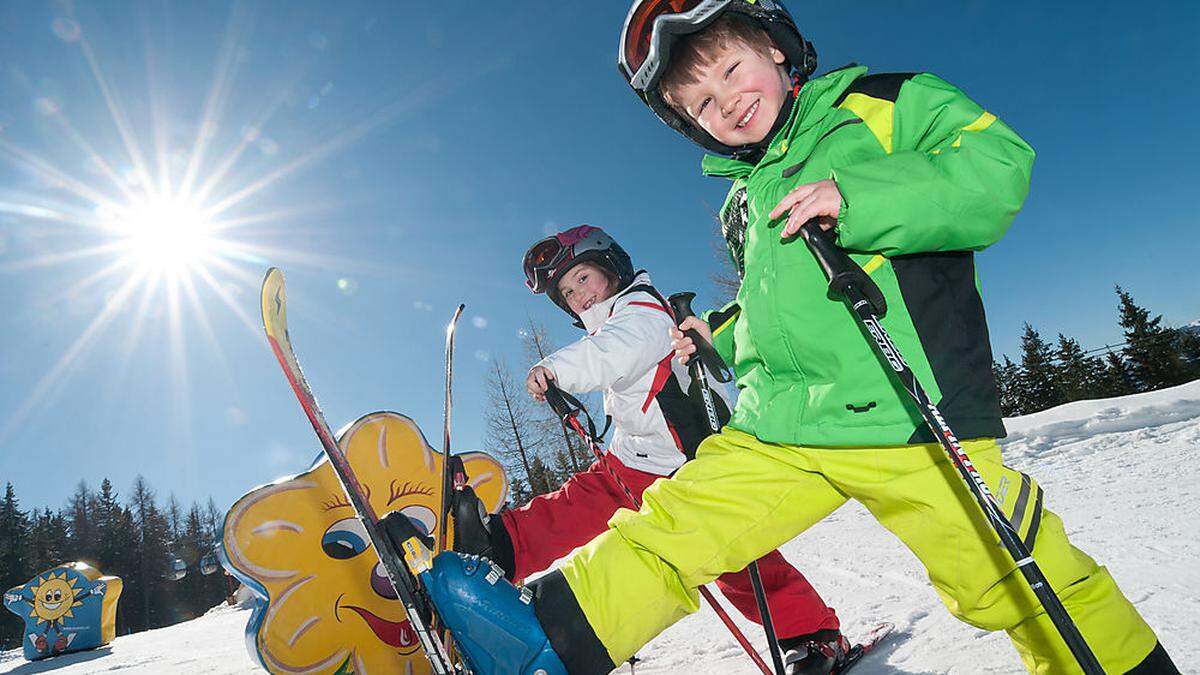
(14,540)
(124,559)
(174,514)
(47,540)
(1079,375)
(1150,348)
(214,519)
(147,596)
(83,540)
(541,477)
(1118,379)
(14,567)
(192,546)
(107,520)
(1039,388)
(215,586)
(1008,381)
(1187,343)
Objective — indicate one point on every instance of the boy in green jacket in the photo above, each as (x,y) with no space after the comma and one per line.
(913,177)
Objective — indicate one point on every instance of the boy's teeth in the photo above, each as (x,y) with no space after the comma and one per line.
(749,113)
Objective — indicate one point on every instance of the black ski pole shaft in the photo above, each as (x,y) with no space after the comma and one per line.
(570,418)
(848,281)
(681,305)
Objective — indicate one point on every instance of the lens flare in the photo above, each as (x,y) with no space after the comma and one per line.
(165,235)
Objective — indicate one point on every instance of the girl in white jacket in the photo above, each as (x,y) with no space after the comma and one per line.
(628,355)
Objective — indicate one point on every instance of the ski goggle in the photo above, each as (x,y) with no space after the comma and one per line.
(651,28)
(541,261)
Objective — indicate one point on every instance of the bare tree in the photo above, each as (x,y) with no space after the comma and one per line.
(509,420)
(725,278)
(571,455)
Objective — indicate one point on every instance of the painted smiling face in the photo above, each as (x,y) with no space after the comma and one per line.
(54,597)
(327,604)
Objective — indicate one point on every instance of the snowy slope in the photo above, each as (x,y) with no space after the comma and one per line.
(211,644)
(1116,470)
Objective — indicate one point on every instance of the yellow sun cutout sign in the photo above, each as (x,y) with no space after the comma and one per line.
(54,598)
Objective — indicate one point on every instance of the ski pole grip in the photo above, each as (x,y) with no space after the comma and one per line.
(557,403)
(845,276)
(681,306)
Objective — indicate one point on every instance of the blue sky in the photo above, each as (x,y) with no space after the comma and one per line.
(397,161)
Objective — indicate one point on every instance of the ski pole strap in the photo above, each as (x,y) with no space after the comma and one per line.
(681,306)
(566,406)
(845,276)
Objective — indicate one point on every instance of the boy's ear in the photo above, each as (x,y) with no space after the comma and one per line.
(777,56)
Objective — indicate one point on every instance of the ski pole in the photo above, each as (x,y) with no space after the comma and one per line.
(681,305)
(848,281)
(568,414)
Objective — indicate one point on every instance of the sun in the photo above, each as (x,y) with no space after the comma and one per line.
(164,234)
(54,598)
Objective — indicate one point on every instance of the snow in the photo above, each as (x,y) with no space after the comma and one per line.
(1116,470)
(211,644)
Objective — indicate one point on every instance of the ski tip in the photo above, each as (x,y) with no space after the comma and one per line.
(454,320)
(272,300)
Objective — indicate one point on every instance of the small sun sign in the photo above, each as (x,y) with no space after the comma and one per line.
(65,609)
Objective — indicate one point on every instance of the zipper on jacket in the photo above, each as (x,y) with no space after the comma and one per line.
(795,168)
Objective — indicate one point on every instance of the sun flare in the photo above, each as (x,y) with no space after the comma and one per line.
(164,235)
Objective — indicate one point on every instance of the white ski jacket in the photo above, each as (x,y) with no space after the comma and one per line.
(627,354)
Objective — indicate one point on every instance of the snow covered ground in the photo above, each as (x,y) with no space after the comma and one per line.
(1121,472)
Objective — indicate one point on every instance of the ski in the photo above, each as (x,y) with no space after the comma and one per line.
(274,315)
(870,641)
(453,473)
(448,472)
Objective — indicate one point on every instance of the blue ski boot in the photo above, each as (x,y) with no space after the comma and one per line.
(493,622)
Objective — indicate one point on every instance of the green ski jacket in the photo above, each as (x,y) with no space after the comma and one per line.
(927,177)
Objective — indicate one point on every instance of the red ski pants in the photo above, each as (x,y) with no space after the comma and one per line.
(552,525)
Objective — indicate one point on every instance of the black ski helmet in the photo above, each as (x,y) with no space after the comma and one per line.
(652,27)
(546,261)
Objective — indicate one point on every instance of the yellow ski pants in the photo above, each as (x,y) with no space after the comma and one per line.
(741,498)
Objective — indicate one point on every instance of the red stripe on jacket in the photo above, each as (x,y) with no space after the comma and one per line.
(652,305)
(660,381)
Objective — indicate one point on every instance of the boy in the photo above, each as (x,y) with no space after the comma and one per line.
(627,354)
(914,177)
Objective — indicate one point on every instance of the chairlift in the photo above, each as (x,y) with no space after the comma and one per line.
(176,570)
(209,563)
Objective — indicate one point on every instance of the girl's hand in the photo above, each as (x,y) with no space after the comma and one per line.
(821,199)
(538,381)
(684,347)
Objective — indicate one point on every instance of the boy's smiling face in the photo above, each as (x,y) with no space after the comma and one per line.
(737,95)
(583,286)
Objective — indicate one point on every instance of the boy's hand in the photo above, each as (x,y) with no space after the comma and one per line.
(538,381)
(806,202)
(684,347)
